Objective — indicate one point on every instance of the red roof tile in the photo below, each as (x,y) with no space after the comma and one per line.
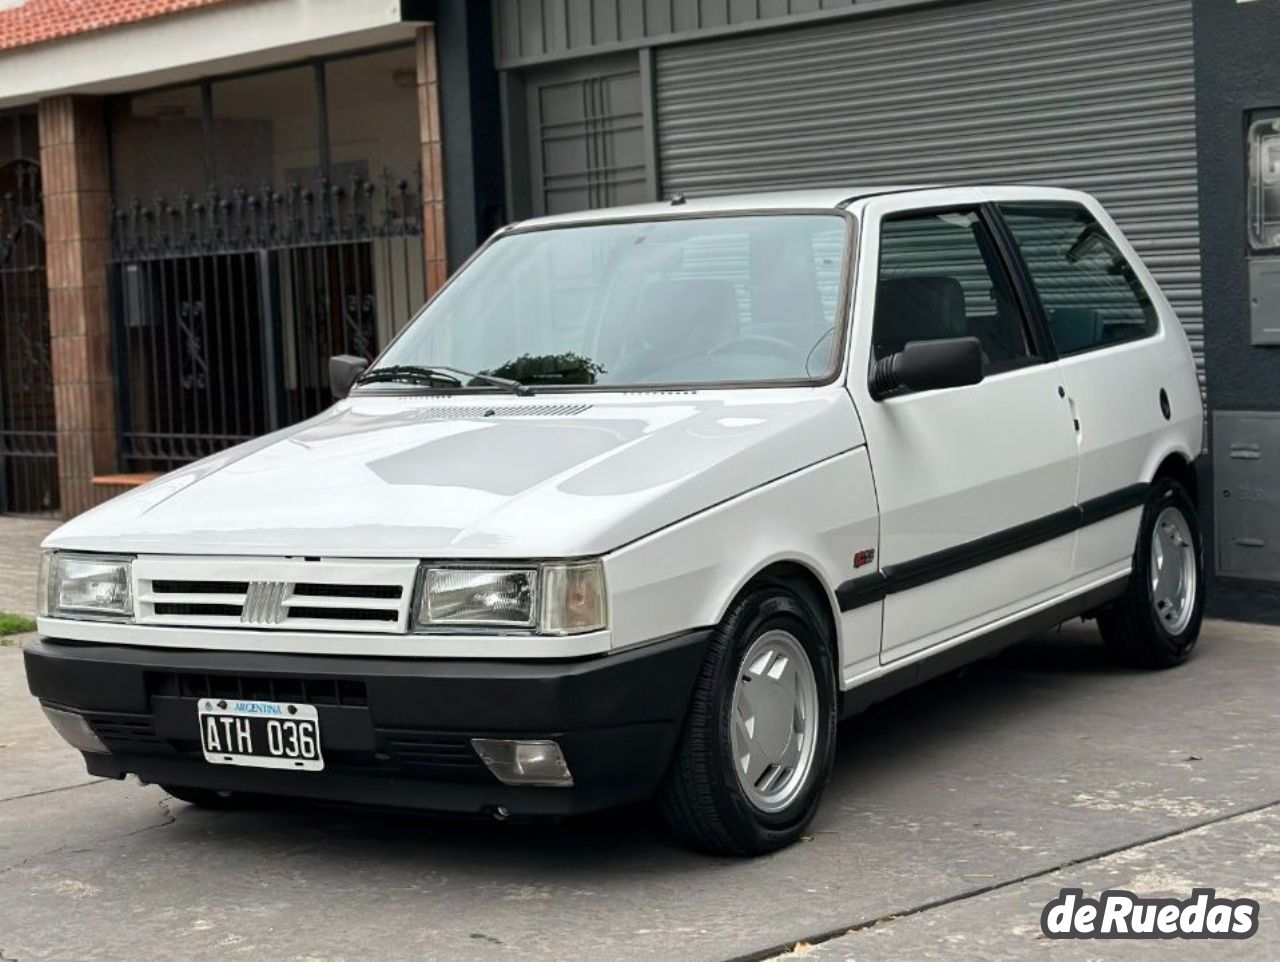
(35,21)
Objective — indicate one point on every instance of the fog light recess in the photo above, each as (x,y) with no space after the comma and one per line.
(524,762)
(75,731)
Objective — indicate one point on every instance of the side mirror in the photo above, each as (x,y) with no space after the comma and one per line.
(928,366)
(343,371)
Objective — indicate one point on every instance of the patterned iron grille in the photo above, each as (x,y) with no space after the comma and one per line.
(228,308)
(28,437)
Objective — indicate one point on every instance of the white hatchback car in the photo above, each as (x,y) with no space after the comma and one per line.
(726,471)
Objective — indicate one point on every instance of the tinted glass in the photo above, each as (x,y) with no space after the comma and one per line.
(372,102)
(941,277)
(1090,292)
(265,130)
(681,301)
(158,146)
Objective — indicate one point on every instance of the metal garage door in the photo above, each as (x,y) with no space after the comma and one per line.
(1092,94)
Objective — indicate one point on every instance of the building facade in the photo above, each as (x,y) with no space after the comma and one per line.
(203,201)
(258,185)
(1167,110)
(1238,134)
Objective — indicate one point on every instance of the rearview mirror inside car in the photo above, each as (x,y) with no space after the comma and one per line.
(928,366)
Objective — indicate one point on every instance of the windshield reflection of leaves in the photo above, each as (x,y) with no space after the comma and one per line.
(567,368)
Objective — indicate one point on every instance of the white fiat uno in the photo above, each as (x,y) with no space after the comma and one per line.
(642,503)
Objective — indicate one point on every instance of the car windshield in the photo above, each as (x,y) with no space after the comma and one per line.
(681,301)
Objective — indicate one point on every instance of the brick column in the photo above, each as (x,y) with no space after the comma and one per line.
(433,229)
(73,160)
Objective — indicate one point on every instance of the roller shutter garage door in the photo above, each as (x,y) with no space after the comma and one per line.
(1091,94)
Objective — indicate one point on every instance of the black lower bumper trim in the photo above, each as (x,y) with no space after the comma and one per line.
(395,732)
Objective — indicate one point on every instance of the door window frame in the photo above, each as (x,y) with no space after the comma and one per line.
(1034,325)
(1042,313)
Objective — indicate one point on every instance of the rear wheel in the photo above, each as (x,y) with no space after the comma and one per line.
(1157,622)
(757,745)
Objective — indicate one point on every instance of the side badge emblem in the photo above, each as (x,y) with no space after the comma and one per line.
(864,557)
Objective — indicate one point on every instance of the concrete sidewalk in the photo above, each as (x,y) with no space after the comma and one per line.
(19,553)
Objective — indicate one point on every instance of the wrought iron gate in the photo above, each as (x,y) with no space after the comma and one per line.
(28,433)
(228,308)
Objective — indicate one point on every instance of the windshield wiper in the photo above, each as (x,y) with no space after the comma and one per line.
(435,373)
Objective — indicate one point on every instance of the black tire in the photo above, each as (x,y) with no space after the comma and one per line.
(701,798)
(1133,632)
(206,797)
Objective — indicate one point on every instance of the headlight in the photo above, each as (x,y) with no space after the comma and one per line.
(553,599)
(479,598)
(80,585)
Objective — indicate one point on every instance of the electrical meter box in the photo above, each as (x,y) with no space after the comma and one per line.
(1246,477)
(1264,300)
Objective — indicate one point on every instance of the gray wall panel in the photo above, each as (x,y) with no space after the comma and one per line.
(529,31)
(1093,94)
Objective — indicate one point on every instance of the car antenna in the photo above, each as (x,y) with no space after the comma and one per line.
(677,198)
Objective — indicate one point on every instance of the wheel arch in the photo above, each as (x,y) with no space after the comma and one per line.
(803,579)
(1178,465)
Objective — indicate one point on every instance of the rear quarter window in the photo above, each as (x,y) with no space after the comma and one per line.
(1092,295)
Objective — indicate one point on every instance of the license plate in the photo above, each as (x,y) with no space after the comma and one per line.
(260,734)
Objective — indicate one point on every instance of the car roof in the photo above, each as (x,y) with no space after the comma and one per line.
(815,198)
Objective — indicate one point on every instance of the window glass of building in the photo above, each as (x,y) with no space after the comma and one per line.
(265,131)
(157,146)
(373,116)
(1264,182)
(1091,294)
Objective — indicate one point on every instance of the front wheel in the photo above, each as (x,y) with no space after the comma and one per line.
(759,739)
(1157,622)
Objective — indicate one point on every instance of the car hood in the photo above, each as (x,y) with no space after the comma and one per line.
(422,476)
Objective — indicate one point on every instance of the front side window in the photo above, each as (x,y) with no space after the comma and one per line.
(1091,294)
(941,277)
(692,300)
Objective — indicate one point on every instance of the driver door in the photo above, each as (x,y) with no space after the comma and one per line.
(976,485)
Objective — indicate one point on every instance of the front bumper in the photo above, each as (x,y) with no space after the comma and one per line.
(395,731)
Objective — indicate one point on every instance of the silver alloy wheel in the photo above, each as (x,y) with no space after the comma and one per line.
(775,720)
(1173,570)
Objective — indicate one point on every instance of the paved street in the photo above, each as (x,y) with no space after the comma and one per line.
(954,807)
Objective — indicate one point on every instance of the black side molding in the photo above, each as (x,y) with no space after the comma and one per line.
(868,589)
(1117,502)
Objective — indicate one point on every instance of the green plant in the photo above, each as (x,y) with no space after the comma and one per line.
(15,624)
(550,368)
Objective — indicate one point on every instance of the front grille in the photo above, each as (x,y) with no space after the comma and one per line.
(302,691)
(437,755)
(185,608)
(275,593)
(200,587)
(346,614)
(127,734)
(347,591)
(409,753)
